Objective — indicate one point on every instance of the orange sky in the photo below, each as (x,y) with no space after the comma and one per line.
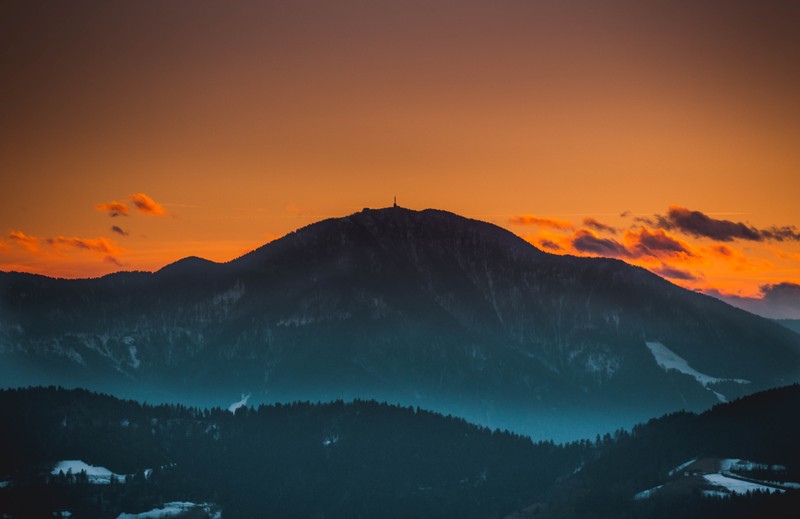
(243,122)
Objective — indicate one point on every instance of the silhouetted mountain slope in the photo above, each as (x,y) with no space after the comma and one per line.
(362,459)
(792,324)
(416,307)
(656,459)
(366,459)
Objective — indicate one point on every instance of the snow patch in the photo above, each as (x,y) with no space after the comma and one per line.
(241,403)
(135,362)
(682,466)
(645,494)
(172,509)
(96,475)
(736,464)
(738,486)
(668,359)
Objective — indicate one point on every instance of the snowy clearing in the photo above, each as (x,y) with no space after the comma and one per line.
(645,494)
(172,509)
(668,359)
(682,466)
(746,466)
(97,475)
(241,403)
(738,486)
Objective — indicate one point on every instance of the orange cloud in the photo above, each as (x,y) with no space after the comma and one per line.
(113,208)
(100,245)
(147,205)
(4,247)
(550,242)
(674,273)
(656,243)
(588,242)
(20,238)
(551,223)
(593,223)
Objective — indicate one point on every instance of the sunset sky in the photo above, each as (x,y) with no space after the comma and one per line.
(666,134)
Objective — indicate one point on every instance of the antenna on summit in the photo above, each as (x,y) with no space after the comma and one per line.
(395,201)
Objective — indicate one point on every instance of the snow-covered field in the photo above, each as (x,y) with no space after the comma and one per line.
(738,486)
(241,403)
(96,475)
(644,494)
(668,359)
(679,468)
(173,509)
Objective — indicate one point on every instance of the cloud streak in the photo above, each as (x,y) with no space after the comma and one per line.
(119,230)
(537,221)
(776,301)
(100,245)
(31,243)
(586,241)
(113,208)
(147,205)
(592,223)
(700,225)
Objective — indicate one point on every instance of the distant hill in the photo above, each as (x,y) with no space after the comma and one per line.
(659,469)
(361,459)
(792,324)
(414,307)
(366,459)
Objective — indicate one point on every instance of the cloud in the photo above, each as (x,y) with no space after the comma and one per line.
(100,245)
(550,245)
(550,223)
(674,273)
(119,230)
(643,242)
(147,205)
(586,241)
(776,301)
(598,226)
(624,214)
(113,208)
(113,261)
(4,247)
(700,225)
(28,242)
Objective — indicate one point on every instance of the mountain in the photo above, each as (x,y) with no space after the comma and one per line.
(415,307)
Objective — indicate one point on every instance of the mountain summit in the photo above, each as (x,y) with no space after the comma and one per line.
(417,307)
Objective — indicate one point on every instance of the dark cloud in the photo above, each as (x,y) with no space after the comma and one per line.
(586,241)
(655,243)
(599,226)
(119,230)
(674,273)
(777,301)
(624,214)
(700,225)
(550,245)
(113,261)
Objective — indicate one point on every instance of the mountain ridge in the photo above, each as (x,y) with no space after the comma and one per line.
(419,307)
